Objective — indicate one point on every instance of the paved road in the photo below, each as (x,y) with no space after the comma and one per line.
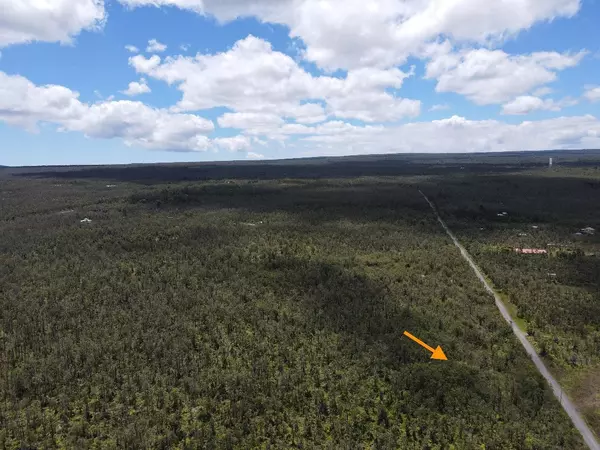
(568,406)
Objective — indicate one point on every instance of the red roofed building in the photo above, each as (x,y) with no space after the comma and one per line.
(531,251)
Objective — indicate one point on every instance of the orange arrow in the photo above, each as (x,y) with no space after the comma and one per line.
(436,353)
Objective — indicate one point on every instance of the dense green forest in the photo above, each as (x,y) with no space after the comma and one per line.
(263,305)
(556,297)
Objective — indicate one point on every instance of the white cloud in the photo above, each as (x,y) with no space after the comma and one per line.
(256,122)
(192,5)
(360,33)
(457,135)
(337,127)
(307,113)
(542,92)
(273,127)
(374,107)
(273,98)
(252,77)
(527,103)
(592,93)
(137,88)
(24,104)
(155,47)
(259,141)
(264,123)
(141,125)
(351,33)
(439,107)
(23,21)
(249,77)
(472,20)
(143,65)
(493,76)
(336,33)
(184,47)
(361,95)
(233,144)
(224,10)
(252,155)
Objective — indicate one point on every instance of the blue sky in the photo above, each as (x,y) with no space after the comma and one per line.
(233,79)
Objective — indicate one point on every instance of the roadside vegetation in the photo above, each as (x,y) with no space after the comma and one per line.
(555,297)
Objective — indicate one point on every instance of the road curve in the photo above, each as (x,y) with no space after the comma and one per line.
(568,406)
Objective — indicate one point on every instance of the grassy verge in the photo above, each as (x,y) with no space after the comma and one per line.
(583,387)
(513,310)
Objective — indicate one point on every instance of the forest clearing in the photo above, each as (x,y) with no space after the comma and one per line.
(264,304)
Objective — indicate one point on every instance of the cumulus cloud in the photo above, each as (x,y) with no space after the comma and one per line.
(592,93)
(141,125)
(233,144)
(363,95)
(272,126)
(252,121)
(248,77)
(224,10)
(493,76)
(252,77)
(24,21)
(24,104)
(307,113)
(526,104)
(357,33)
(155,47)
(273,98)
(252,155)
(374,107)
(346,34)
(137,88)
(457,135)
(144,65)
(470,20)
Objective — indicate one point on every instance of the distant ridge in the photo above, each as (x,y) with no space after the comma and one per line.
(366,157)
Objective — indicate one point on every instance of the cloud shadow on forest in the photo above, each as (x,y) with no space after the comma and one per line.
(350,303)
(371,323)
